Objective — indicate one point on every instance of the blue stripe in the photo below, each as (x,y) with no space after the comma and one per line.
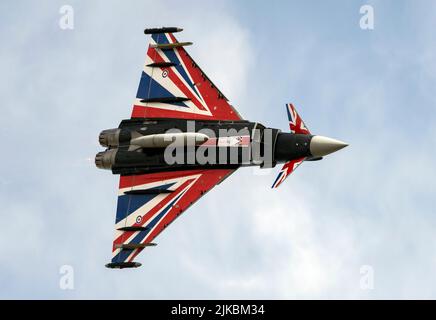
(127,204)
(289,114)
(160,38)
(147,84)
(277,179)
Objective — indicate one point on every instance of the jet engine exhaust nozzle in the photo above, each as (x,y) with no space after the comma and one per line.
(105,159)
(321,146)
(109,137)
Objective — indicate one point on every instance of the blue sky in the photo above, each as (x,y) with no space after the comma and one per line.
(370,204)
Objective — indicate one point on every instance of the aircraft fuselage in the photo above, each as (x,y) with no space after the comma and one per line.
(143,145)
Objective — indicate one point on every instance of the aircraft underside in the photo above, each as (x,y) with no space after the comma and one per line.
(182,140)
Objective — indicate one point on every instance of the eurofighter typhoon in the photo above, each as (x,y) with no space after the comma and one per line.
(182,139)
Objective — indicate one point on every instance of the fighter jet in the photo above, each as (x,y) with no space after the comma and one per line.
(183,138)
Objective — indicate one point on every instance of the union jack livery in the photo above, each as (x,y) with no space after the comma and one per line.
(170,72)
(183,139)
(286,170)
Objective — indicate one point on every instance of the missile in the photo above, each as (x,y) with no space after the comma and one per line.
(165,139)
(168,46)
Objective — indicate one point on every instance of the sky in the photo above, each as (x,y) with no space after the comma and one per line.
(361,224)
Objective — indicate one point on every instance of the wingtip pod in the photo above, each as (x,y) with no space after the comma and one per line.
(162,30)
(123,265)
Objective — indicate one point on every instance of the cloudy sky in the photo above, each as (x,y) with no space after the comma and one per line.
(364,215)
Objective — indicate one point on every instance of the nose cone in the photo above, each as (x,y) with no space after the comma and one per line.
(321,146)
